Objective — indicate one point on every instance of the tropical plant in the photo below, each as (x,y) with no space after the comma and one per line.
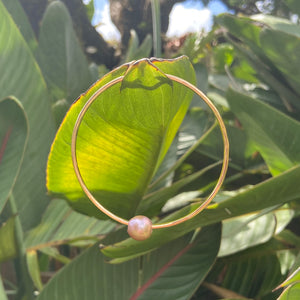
(149,148)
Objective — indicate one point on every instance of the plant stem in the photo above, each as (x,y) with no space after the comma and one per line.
(155,7)
(25,290)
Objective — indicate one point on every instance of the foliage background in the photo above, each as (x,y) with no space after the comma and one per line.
(245,245)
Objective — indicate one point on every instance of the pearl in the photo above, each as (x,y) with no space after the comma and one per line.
(139,228)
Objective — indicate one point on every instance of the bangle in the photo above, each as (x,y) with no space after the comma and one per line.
(140,227)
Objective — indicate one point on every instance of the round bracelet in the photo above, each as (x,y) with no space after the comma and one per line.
(140,227)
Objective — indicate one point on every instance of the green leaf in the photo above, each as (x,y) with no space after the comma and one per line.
(123,138)
(241,151)
(61,225)
(154,276)
(8,248)
(180,272)
(253,229)
(294,5)
(291,293)
(246,231)
(13,137)
(61,59)
(22,79)
(242,27)
(292,279)
(275,191)
(252,273)
(16,10)
(277,23)
(282,49)
(34,269)
(275,135)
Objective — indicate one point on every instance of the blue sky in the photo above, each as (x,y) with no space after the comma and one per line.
(185,17)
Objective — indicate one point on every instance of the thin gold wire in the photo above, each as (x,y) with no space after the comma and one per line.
(208,199)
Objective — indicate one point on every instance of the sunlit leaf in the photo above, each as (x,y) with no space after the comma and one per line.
(291,293)
(123,138)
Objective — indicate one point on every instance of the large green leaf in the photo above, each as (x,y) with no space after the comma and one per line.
(16,10)
(282,49)
(275,191)
(275,135)
(171,272)
(124,135)
(13,136)
(22,78)
(61,59)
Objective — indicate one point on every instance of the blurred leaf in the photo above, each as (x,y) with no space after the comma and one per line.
(278,24)
(132,46)
(291,293)
(144,50)
(129,132)
(21,20)
(241,150)
(275,135)
(34,270)
(22,79)
(61,225)
(242,27)
(53,252)
(61,59)
(282,49)
(250,32)
(222,292)
(8,247)
(136,51)
(274,191)
(13,137)
(90,9)
(223,56)
(294,5)
(154,276)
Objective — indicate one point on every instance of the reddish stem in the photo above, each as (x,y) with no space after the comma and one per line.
(4,142)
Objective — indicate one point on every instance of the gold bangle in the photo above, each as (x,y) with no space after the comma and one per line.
(140,227)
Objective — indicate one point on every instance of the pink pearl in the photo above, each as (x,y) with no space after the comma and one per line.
(139,228)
